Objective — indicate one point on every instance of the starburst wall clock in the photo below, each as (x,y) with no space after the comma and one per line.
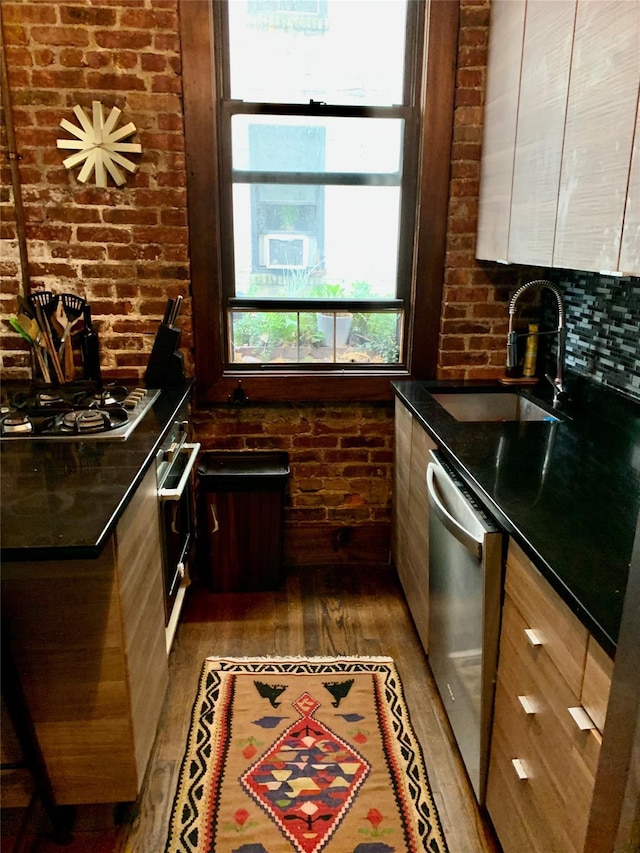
(99,146)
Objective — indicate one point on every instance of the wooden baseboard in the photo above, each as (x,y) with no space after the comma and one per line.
(326,544)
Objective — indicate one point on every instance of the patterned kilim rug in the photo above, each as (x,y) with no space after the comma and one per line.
(289,755)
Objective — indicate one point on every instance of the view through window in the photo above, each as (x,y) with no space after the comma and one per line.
(319,130)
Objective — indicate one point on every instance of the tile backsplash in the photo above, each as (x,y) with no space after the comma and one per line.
(603,327)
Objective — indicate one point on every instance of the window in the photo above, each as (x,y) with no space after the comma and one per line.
(315,135)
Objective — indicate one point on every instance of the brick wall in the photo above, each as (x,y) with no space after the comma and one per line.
(476,293)
(126,249)
(338,497)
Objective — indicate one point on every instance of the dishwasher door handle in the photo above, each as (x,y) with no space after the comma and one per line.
(464,536)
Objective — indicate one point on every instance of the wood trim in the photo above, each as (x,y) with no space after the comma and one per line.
(288,387)
(438,106)
(614,822)
(200,86)
(201,149)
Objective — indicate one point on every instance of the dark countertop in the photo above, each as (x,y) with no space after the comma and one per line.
(62,500)
(569,493)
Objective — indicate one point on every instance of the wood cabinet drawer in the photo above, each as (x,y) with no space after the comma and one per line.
(565,749)
(596,684)
(561,634)
(517,806)
(535,727)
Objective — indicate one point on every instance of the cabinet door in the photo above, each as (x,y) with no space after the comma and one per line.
(601,112)
(417,591)
(630,251)
(139,553)
(402,474)
(544,84)
(500,119)
(411,516)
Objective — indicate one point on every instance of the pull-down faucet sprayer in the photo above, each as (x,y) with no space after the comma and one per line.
(559,389)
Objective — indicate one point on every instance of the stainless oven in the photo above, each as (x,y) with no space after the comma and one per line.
(174,466)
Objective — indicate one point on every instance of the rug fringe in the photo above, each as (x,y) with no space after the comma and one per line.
(297,658)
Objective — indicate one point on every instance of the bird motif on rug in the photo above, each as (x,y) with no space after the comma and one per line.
(338,690)
(270,691)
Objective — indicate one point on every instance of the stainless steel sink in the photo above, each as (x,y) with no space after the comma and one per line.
(492,407)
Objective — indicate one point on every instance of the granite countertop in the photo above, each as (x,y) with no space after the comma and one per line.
(62,500)
(568,492)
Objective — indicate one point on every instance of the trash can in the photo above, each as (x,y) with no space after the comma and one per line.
(241,497)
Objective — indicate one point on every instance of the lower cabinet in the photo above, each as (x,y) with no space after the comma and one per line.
(551,697)
(410,541)
(88,640)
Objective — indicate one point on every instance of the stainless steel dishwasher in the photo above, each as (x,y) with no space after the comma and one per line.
(465,590)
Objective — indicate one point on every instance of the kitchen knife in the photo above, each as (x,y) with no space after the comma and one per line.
(168,311)
(175,311)
(90,348)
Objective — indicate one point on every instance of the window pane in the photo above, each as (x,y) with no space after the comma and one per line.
(274,337)
(316,242)
(308,144)
(325,50)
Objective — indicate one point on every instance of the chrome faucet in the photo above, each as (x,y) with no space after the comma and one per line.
(559,388)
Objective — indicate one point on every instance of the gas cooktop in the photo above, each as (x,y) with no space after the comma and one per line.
(79,410)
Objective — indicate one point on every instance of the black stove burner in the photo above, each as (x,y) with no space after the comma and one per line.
(16,423)
(75,410)
(49,398)
(93,420)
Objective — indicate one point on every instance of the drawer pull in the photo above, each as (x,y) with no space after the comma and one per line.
(518,766)
(533,638)
(582,720)
(528,705)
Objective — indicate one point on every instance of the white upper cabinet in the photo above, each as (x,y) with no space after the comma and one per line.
(500,121)
(569,190)
(630,251)
(546,60)
(598,138)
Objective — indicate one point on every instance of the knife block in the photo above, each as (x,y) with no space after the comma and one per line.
(165,365)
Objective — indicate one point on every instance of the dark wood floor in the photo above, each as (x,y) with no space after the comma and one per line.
(329,610)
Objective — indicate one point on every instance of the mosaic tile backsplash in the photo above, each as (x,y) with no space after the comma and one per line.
(603,327)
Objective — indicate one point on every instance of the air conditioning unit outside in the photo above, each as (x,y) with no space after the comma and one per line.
(285,251)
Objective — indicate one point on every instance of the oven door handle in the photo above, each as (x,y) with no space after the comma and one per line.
(176,494)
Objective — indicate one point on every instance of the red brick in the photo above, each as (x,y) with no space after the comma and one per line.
(123,39)
(90,234)
(130,216)
(88,16)
(51,36)
(153,62)
(20,56)
(13,34)
(33,97)
(66,78)
(152,19)
(134,252)
(114,82)
(108,271)
(25,13)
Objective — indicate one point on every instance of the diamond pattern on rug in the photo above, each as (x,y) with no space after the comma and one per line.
(302,755)
(307,779)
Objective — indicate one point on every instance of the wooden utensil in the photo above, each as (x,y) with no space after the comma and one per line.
(38,300)
(31,335)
